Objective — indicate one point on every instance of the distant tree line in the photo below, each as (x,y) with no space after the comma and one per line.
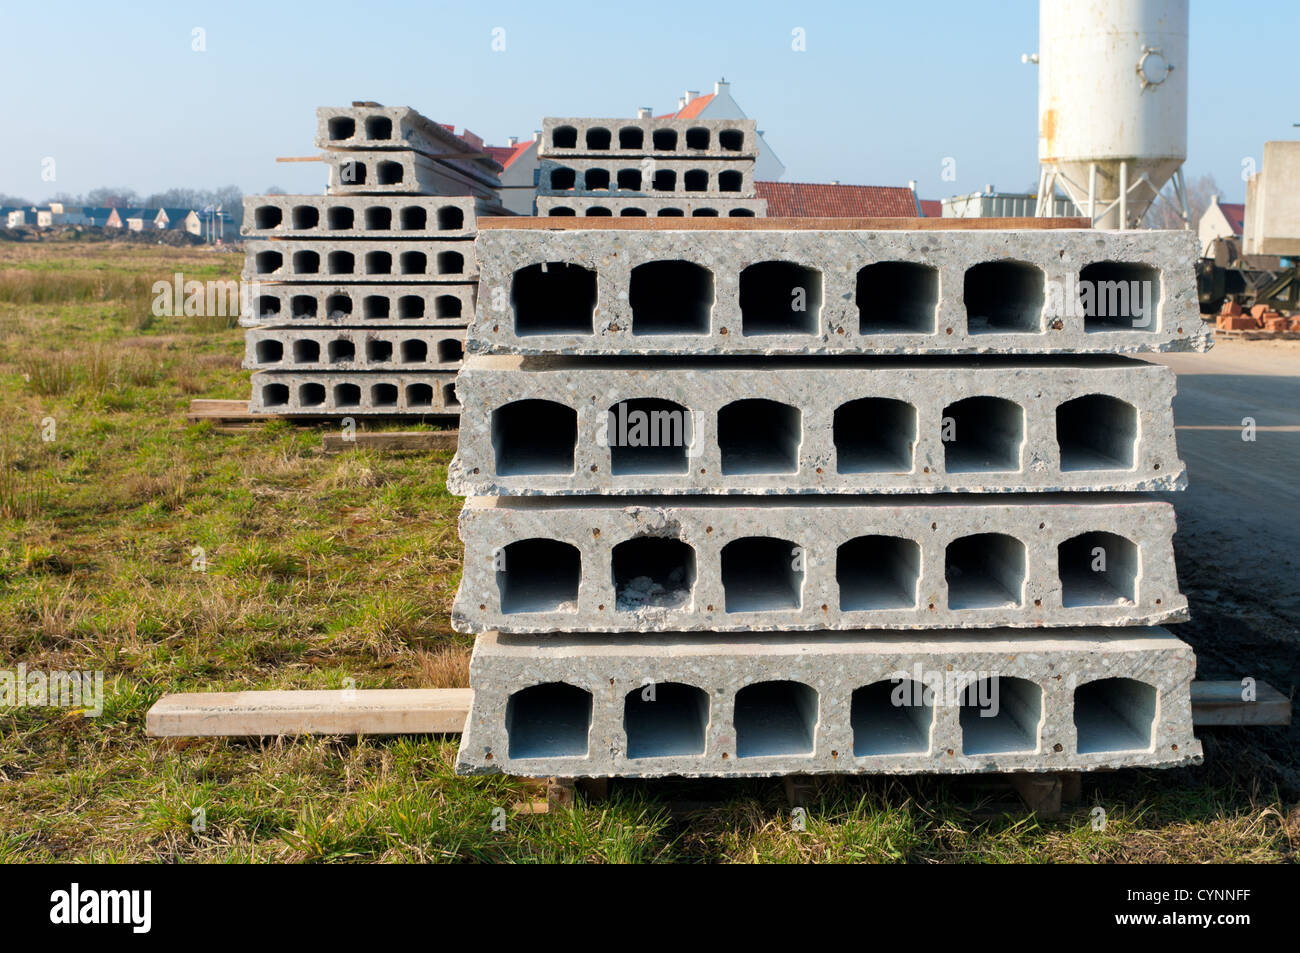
(230,197)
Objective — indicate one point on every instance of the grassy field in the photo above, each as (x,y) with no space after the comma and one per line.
(321,569)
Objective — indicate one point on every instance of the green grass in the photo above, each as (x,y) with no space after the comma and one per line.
(321,569)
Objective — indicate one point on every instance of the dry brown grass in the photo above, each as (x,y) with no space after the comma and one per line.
(445,667)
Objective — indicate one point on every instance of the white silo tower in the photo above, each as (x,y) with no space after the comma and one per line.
(1112,105)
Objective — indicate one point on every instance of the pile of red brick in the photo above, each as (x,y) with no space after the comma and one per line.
(1259,318)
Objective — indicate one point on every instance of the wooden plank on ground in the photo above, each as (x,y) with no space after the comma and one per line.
(202,408)
(391,440)
(659,223)
(1220,703)
(372,711)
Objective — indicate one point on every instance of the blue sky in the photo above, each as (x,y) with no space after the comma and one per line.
(883,93)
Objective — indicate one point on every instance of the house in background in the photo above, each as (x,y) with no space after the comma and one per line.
(1221,220)
(12,216)
(184,219)
(518,160)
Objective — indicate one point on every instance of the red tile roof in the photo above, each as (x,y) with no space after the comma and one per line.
(508,154)
(931,208)
(1235,213)
(824,200)
(692,109)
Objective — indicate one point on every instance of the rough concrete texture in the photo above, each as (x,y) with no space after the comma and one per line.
(775,426)
(654,206)
(661,138)
(380,173)
(358,216)
(694,564)
(318,305)
(296,259)
(759,705)
(956,291)
(602,176)
(329,393)
(349,349)
(399,127)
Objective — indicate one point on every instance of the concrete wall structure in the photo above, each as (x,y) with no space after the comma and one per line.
(758,705)
(725,590)
(656,291)
(359,299)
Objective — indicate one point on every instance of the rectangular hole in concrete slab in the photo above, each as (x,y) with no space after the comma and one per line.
(379,128)
(275,395)
(759,436)
(375,307)
(1004,297)
(877,572)
(984,571)
(342,127)
(730,181)
(695,180)
(665,719)
(449,398)
(653,571)
(379,218)
(1000,714)
(415,263)
(306,351)
(1114,714)
(534,436)
(874,435)
(268,262)
(267,216)
(1098,569)
(444,306)
(664,180)
(379,263)
(891,717)
(390,173)
(1097,432)
(598,138)
(663,140)
(629,180)
(341,351)
(411,306)
(419,395)
(1119,296)
(775,718)
(731,140)
(553,298)
(379,352)
(982,435)
(384,395)
(311,395)
(450,351)
(303,306)
(305,217)
(340,263)
(630,137)
(671,297)
(564,137)
(596,180)
(347,395)
(648,435)
(414,351)
(268,306)
(338,306)
(760,574)
(780,297)
(897,297)
(548,721)
(339,218)
(269,352)
(538,575)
